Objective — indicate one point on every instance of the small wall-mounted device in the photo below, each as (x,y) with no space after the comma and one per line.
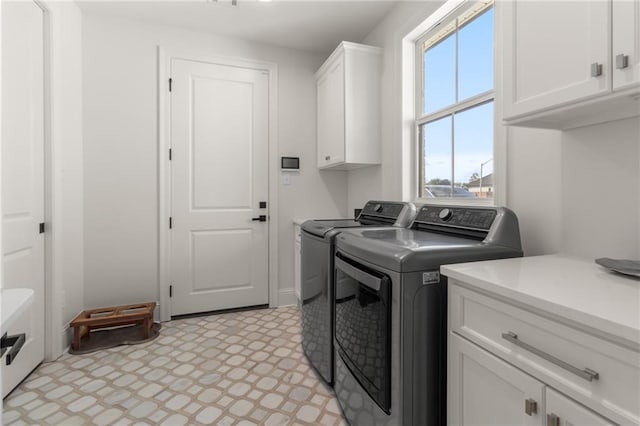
(290,163)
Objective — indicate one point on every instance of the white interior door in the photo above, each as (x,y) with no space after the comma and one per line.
(23,176)
(219,174)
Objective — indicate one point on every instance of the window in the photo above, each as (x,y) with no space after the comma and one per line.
(455,123)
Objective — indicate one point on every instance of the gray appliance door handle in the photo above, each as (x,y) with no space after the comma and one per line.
(586,373)
(370,281)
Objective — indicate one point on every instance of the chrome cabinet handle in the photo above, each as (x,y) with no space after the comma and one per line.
(553,420)
(530,406)
(596,69)
(622,61)
(586,373)
(15,343)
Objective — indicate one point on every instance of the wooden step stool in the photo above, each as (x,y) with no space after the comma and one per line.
(114,316)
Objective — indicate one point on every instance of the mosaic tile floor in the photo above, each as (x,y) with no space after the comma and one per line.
(239,368)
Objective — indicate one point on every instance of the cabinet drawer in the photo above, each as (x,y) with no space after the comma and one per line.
(559,355)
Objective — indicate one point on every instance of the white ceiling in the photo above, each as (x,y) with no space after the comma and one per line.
(311,25)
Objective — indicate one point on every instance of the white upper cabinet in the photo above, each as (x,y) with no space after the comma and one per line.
(552,47)
(348,86)
(559,62)
(626,44)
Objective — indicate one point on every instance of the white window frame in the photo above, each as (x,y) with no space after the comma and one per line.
(447,13)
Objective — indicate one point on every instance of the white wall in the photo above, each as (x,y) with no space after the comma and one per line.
(120,130)
(601,190)
(385,181)
(534,187)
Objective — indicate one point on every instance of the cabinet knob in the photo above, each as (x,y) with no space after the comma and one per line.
(328,157)
(622,61)
(530,406)
(596,69)
(553,420)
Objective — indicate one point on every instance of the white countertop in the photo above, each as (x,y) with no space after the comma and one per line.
(12,303)
(576,289)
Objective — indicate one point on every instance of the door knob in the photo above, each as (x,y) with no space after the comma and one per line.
(261,218)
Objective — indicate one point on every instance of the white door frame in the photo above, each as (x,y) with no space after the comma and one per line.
(165,55)
(53,345)
(55,332)
(1,272)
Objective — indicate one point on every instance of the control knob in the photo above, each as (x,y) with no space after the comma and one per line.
(446,214)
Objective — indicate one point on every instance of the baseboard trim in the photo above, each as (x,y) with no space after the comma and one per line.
(287,297)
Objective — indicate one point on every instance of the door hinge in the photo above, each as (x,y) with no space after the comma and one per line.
(170,291)
(41,228)
(170,84)
(170,223)
(170,154)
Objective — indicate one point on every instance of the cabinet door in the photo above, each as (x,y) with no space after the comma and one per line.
(549,48)
(626,43)
(331,115)
(562,411)
(484,390)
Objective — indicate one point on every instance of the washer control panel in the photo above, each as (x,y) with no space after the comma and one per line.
(458,217)
(383,209)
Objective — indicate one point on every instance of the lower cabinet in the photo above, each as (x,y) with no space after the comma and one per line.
(562,411)
(485,390)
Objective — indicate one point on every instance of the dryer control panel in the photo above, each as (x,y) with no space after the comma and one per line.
(384,209)
(387,213)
